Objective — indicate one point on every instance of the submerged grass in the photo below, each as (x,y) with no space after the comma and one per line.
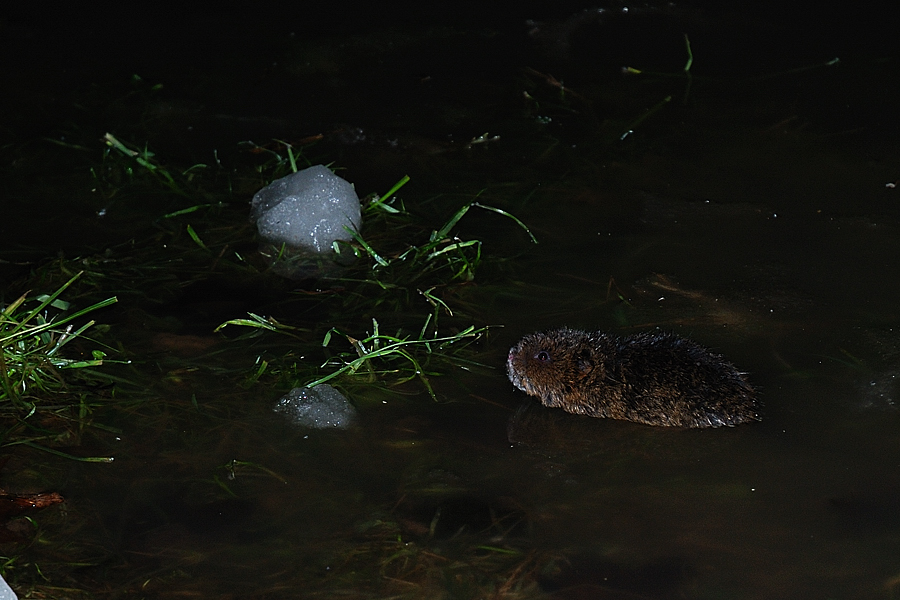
(405,278)
(413,567)
(401,358)
(43,399)
(392,270)
(393,349)
(444,257)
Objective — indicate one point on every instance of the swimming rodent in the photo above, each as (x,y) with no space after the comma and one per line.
(650,378)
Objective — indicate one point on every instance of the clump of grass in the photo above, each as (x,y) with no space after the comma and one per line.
(413,351)
(391,260)
(396,359)
(31,343)
(397,557)
(395,264)
(124,162)
(441,252)
(389,273)
(39,401)
(401,260)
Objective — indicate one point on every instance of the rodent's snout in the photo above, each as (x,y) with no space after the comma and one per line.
(512,370)
(515,356)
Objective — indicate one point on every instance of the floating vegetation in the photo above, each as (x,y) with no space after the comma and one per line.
(403,276)
(402,358)
(37,364)
(442,253)
(31,342)
(388,273)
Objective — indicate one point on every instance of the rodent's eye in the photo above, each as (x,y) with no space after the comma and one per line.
(542,356)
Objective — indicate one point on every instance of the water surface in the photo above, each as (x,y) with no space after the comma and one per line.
(750,212)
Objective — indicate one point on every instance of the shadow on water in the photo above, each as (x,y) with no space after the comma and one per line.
(748,202)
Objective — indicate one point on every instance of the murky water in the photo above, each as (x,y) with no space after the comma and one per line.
(751,212)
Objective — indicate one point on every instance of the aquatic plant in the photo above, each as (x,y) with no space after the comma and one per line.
(124,162)
(399,269)
(37,369)
(31,342)
(398,272)
(388,273)
(391,228)
(403,357)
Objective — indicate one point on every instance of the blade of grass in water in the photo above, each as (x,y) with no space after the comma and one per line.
(380,203)
(93,459)
(196,237)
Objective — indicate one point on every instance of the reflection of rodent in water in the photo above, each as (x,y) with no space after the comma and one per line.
(651,378)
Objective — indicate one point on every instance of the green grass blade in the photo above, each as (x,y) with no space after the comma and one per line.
(369,250)
(442,233)
(500,211)
(196,237)
(92,459)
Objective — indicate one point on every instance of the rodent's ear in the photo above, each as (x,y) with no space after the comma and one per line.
(584,362)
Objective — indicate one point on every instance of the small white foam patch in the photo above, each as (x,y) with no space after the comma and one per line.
(6,592)
(320,407)
(307,209)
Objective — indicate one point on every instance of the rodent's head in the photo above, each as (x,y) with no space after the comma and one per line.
(552,365)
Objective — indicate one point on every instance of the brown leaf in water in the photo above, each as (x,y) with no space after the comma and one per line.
(12,505)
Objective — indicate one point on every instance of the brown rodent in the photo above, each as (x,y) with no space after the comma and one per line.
(650,378)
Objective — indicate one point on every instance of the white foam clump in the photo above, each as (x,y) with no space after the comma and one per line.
(307,209)
(6,592)
(319,407)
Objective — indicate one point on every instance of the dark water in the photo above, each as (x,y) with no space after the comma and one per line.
(751,212)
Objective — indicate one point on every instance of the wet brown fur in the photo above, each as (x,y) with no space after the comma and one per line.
(650,378)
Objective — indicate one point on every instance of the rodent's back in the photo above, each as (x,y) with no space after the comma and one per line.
(656,379)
